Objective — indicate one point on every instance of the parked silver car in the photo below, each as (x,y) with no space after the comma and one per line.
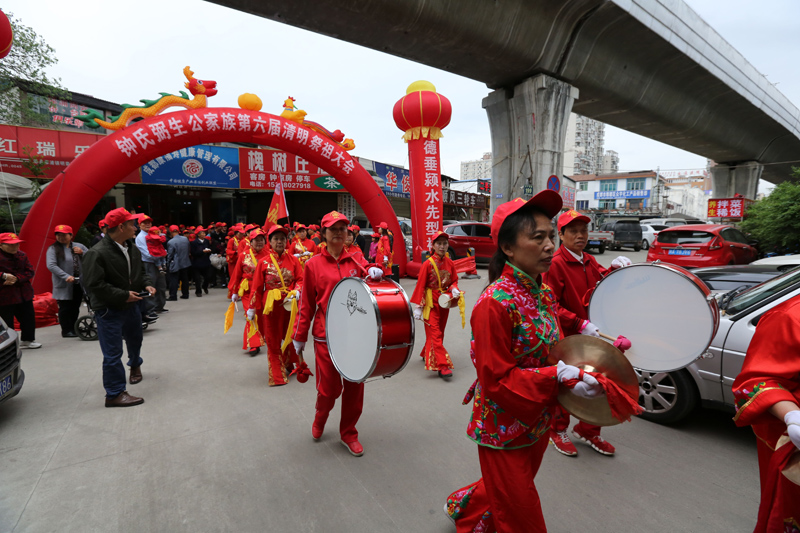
(670,396)
(11,375)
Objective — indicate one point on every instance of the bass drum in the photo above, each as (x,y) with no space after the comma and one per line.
(667,313)
(370,328)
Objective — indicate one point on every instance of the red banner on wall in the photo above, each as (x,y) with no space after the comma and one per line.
(426,193)
(728,207)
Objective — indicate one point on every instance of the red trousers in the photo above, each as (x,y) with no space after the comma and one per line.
(330,385)
(255,341)
(274,327)
(436,357)
(561,423)
(505,499)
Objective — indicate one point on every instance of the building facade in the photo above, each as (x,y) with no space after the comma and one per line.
(620,193)
(477,170)
(584,146)
(610,162)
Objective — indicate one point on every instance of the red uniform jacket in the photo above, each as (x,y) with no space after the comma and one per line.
(231,252)
(426,279)
(571,283)
(266,277)
(244,270)
(322,273)
(298,247)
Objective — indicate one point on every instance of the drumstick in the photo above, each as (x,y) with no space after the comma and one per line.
(609,337)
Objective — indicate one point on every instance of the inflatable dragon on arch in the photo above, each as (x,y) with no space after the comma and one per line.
(201,90)
(290,112)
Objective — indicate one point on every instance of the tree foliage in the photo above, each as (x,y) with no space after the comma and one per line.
(775,219)
(26,66)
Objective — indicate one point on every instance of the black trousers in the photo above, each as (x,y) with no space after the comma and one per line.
(25,315)
(182,277)
(202,275)
(68,310)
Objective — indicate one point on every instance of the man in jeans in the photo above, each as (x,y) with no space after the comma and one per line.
(156,304)
(114,275)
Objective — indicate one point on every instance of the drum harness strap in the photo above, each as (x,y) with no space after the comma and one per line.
(426,312)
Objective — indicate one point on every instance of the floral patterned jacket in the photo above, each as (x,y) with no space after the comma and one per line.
(514,325)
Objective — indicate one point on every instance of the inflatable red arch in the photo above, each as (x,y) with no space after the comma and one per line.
(73,194)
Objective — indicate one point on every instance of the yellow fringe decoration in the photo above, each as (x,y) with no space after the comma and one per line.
(424,132)
(426,311)
(288,339)
(244,286)
(273,295)
(462,308)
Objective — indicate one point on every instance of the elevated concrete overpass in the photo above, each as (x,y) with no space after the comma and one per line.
(652,67)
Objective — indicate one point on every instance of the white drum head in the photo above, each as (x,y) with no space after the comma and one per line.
(664,314)
(445,301)
(352,328)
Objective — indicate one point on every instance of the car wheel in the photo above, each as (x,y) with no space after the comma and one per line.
(666,397)
(601,249)
(637,247)
(645,245)
(451,254)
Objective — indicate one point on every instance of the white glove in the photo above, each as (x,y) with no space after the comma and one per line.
(375,273)
(590,329)
(235,298)
(307,253)
(621,261)
(298,255)
(251,313)
(792,419)
(566,372)
(385,258)
(298,346)
(417,313)
(584,390)
(455,292)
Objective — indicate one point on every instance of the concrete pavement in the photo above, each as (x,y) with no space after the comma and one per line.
(214,449)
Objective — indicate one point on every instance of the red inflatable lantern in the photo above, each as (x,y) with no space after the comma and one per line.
(421,114)
(6,35)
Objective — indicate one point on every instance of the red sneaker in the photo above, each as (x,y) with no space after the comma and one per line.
(445,373)
(354,447)
(562,443)
(597,443)
(319,425)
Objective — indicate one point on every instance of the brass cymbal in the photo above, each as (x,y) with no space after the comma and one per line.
(593,355)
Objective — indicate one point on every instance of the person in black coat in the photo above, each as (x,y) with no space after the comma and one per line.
(200,252)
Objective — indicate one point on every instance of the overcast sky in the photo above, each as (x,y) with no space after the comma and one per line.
(123,51)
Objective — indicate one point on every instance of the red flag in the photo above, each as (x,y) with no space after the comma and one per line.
(277,208)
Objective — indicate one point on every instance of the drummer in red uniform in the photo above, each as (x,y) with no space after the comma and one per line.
(572,276)
(322,273)
(240,287)
(437,276)
(279,276)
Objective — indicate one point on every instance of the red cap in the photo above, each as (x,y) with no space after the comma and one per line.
(102,223)
(569,216)
(249,227)
(198,229)
(298,227)
(118,216)
(332,218)
(141,217)
(9,238)
(220,224)
(155,231)
(374,235)
(548,201)
(439,234)
(384,225)
(174,228)
(275,228)
(63,228)
(256,233)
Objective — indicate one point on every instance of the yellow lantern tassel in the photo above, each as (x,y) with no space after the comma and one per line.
(426,311)
(229,317)
(462,308)
(272,296)
(288,339)
(244,287)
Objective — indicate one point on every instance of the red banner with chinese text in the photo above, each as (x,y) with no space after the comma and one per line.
(263,169)
(728,207)
(426,193)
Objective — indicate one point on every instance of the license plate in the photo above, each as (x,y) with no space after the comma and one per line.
(5,386)
(679,252)
(594,242)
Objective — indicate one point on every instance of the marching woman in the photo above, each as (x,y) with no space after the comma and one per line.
(514,326)
(232,248)
(64,263)
(437,276)
(302,247)
(767,396)
(244,244)
(350,245)
(279,276)
(384,252)
(322,272)
(241,284)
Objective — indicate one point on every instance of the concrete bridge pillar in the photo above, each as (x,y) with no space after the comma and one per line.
(728,179)
(528,126)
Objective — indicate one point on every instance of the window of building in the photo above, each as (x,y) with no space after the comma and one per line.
(636,184)
(608,185)
(581,205)
(635,204)
(583,185)
(608,204)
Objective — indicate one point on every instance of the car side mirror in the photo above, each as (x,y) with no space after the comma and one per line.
(753,243)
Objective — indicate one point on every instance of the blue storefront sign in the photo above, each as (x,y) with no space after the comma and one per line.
(196,166)
(397,183)
(603,195)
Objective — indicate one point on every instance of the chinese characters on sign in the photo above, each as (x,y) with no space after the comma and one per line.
(198,166)
(261,169)
(728,207)
(464,199)
(568,195)
(397,182)
(602,195)
(426,200)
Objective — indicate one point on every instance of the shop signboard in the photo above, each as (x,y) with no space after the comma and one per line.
(607,195)
(729,208)
(464,199)
(568,196)
(397,182)
(261,170)
(195,166)
(62,113)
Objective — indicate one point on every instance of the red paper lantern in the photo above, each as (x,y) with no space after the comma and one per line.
(422,112)
(6,35)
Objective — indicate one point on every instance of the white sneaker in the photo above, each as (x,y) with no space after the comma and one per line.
(30,344)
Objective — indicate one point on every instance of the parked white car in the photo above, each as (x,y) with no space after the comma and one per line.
(649,232)
(792,260)
(670,396)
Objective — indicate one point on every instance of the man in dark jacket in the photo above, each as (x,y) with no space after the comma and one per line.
(178,264)
(200,252)
(114,276)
